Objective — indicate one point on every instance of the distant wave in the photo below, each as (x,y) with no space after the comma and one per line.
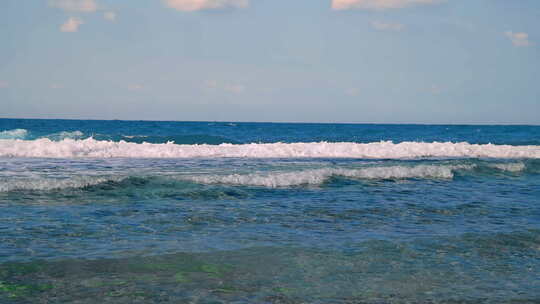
(14,134)
(69,148)
(177,139)
(184,139)
(25,134)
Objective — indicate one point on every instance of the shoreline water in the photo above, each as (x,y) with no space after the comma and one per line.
(300,225)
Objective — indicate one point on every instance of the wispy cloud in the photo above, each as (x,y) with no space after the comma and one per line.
(352,92)
(56,86)
(135,87)
(518,39)
(196,5)
(435,89)
(234,88)
(385,26)
(377,4)
(86,6)
(4,84)
(71,25)
(111,16)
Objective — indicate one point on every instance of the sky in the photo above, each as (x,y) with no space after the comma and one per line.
(359,61)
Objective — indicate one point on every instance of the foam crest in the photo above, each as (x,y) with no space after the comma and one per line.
(69,148)
(73,135)
(319,176)
(48,184)
(509,167)
(14,134)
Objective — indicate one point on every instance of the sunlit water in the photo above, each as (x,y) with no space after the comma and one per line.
(441,214)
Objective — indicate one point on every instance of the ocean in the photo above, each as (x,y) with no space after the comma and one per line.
(228,212)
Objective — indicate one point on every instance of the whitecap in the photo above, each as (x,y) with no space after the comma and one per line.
(509,167)
(69,148)
(319,176)
(65,135)
(48,184)
(14,134)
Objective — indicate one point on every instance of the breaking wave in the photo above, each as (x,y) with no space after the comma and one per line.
(14,134)
(194,139)
(65,135)
(25,134)
(269,179)
(319,176)
(48,184)
(509,167)
(69,148)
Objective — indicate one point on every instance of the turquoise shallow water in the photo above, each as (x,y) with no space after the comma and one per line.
(108,211)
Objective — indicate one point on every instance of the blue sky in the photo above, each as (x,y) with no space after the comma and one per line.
(372,61)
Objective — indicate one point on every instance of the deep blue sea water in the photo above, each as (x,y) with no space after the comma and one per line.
(216,212)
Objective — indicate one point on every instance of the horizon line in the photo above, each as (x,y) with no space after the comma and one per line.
(288,122)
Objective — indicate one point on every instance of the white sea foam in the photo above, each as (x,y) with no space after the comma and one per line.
(74,134)
(319,176)
(271,179)
(69,148)
(65,135)
(510,167)
(47,184)
(14,134)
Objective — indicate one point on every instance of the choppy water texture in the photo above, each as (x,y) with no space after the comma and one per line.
(207,212)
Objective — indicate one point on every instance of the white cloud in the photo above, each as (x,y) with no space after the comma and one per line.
(56,86)
(196,5)
(135,87)
(352,92)
(71,25)
(435,89)
(111,16)
(377,4)
(518,39)
(4,84)
(384,26)
(234,88)
(87,6)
